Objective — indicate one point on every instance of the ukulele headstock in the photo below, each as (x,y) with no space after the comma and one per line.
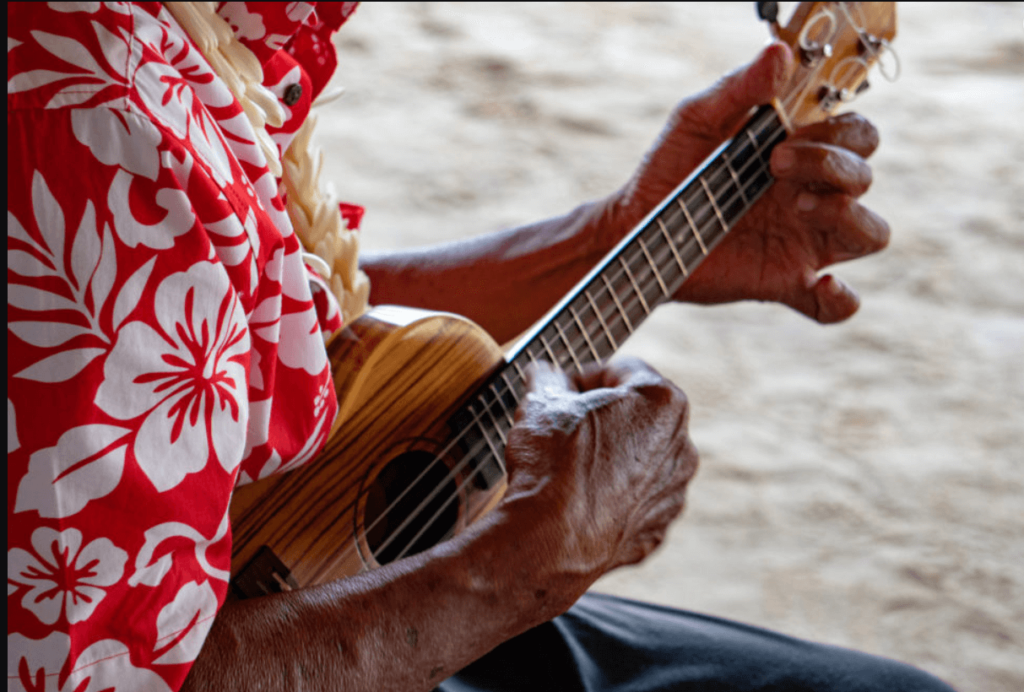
(834,45)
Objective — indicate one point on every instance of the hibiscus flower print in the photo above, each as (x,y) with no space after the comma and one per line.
(63,576)
(49,665)
(186,379)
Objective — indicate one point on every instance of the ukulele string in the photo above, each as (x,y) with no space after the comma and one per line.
(689,244)
(477,418)
(501,390)
(630,301)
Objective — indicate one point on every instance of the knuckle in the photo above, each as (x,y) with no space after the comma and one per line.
(678,399)
(847,171)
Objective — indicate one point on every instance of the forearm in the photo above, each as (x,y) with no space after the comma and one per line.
(404,626)
(503,281)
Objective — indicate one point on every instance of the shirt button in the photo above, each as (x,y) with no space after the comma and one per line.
(292,94)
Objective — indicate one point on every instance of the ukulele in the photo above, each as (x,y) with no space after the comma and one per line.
(416,452)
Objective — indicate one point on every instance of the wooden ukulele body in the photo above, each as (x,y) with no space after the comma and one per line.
(400,373)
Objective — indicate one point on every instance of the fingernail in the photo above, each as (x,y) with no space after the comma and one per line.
(806,201)
(784,159)
(838,286)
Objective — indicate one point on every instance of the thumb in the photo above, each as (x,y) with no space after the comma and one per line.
(543,376)
(544,383)
(721,110)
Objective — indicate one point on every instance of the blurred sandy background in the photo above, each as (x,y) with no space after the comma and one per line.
(861,484)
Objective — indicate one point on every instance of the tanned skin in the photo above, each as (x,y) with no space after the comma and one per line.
(598,463)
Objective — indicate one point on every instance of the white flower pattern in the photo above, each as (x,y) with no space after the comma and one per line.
(62,576)
(146,239)
(189,382)
(40,665)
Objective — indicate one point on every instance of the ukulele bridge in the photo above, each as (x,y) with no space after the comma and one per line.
(265,574)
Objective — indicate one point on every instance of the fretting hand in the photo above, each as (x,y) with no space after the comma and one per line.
(808,220)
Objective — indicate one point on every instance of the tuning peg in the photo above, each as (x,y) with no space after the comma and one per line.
(815,35)
(812,54)
(769,12)
(829,96)
(869,44)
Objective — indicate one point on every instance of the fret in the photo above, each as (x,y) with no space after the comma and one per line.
(529,353)
(498,453)
(519,369)
(639,293)
(735,177)
(711,198)
(568,346)
(654,267)
(734,207)
(672,247)
(743,157)
(693,226)
(763,124)
(497,428)
(547,347)
(504,409)
(600,319)
(754,174)
(615,297)
(508,383)
(586,335)
(757,146)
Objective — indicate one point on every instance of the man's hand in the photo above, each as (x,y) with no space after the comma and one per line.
(599,465)
(808,220)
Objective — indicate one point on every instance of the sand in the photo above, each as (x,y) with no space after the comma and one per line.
(861,484)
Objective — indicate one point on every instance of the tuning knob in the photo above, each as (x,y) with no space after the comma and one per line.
(768,11)
(829,96)
(813,54)
(815,35)
(869,44)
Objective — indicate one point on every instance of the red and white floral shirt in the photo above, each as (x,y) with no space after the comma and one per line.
(163,340)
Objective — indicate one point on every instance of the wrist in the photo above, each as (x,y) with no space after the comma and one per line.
(523,553)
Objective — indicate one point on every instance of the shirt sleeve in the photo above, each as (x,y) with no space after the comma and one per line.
(162,345)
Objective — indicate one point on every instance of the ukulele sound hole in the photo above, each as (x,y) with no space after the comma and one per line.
(403,520)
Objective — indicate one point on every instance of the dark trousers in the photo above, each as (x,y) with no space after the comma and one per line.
(611,644)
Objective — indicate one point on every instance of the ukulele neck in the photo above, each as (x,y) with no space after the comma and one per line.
(644,270)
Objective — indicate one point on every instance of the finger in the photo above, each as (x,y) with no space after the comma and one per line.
(845,229)
(821,167)
(541,375)
(849,131)
(543,382)
(826,300)
(717,113)
(622,372)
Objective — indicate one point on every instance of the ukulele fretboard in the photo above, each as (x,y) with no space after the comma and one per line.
(644,270)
